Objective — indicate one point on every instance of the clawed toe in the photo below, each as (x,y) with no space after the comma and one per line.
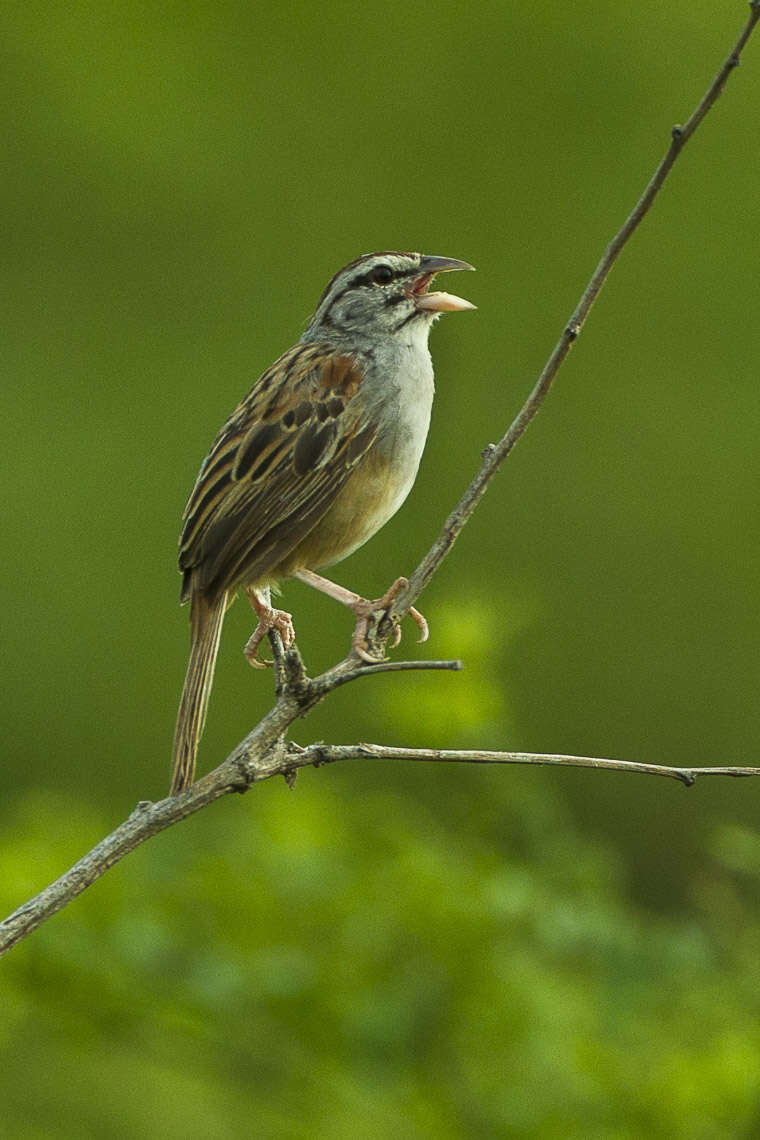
(364,609)
(365,655)
(251,651)
(359,642)
(422,624)
(269,619)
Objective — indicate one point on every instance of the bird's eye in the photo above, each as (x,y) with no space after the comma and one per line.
(381,274)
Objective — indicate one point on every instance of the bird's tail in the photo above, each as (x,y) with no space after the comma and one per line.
(206,619)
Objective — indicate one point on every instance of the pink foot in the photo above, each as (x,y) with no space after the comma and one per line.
(269,618)
(364,609)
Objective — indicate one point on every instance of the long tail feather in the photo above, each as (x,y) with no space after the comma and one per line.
(206,619)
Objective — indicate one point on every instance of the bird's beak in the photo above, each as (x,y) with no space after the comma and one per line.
(438,302)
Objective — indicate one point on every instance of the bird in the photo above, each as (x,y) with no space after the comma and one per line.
(317,457)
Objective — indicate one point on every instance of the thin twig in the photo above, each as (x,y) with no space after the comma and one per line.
(242,768)
(327,683)
(328,754)
(495,454)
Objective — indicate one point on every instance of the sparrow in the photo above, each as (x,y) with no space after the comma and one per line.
(313,461)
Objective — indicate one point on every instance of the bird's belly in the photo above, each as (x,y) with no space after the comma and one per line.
(369,498)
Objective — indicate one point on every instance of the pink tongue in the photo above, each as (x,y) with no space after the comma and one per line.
(422,284)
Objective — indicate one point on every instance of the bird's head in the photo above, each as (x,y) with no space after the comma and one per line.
(384,293)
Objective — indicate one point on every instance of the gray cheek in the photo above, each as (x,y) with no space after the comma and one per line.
(352,311)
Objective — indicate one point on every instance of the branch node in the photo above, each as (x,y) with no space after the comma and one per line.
(297,683)
(572,330)
(676,132)
(316,752)
(139,810)
(487,451)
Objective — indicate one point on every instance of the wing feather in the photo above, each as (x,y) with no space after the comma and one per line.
(274,469)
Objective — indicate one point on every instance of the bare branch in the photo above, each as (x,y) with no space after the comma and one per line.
(495,454)
(328,754)
(246,766)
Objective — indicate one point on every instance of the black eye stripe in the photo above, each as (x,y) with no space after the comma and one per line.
(362,280)
(335,289)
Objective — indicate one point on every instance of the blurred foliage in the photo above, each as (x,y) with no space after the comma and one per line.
(269,977)
(390,949)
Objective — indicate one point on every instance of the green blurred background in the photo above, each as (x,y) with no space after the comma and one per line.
(390,949)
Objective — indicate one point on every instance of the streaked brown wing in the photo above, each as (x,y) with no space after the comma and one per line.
(274,469)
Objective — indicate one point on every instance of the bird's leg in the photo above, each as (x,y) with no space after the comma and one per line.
(269,618)
(364,609)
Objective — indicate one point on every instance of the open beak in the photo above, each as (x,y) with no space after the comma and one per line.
(438,302)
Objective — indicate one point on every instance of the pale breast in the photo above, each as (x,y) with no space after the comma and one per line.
(386,474)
